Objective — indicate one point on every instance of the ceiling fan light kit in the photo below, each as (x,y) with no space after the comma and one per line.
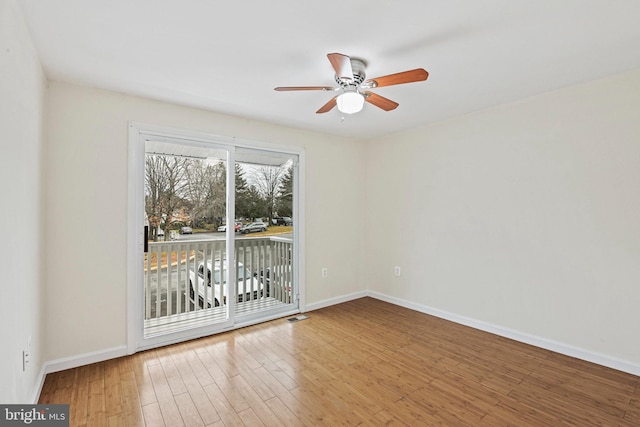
(350,76)
(350,102)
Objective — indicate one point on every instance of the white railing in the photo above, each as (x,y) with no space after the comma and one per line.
(170,270)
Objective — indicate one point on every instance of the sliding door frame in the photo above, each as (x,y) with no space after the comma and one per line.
(135,234)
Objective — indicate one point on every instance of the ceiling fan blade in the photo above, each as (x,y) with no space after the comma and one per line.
(287,88)
(342,64)
(380,101)
(419,74)
(328,106)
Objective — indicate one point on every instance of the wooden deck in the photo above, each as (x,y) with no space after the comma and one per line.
(364,362)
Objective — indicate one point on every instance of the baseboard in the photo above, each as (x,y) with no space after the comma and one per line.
(38,388)
(555,346)
(333,301)
(84,359)
(74,362)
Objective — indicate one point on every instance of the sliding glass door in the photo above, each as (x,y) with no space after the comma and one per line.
(185,260)
(265,232)
(219,240)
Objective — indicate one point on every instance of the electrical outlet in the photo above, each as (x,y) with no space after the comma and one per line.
(324,272)
(396,271)
(25,359)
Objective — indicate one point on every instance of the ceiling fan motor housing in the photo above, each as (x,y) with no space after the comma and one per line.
(359,75)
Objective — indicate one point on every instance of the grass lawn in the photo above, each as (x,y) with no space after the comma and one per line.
(274,230)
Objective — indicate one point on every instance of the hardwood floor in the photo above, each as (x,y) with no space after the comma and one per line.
(364,362)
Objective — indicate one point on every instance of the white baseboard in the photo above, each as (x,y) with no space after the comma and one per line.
(84,359)
(333,301)
(38,388)
(74,362)
(555,346)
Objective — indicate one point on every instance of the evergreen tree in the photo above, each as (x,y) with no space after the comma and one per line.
(242,193)
(284,202)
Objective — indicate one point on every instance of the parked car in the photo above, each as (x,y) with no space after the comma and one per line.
(282,220)
(236,227)
(282,281)
(253,227)
(212,289)
(186,230)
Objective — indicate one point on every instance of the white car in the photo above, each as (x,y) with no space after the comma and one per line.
(280,285)
(223,227)
(214,289)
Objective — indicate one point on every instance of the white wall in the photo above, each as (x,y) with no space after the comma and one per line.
(86,209)
(526,217)
(22,92)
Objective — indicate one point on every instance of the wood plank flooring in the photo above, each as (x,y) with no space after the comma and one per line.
(364,362)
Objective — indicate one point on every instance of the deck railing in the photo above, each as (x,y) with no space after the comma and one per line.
(171,267)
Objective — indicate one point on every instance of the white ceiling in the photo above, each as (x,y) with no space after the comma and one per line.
(228,56)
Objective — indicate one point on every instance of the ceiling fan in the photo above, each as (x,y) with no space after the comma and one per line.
(350,76)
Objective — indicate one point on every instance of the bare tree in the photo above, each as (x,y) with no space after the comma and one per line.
(196,188)
(216,185)
(165,186)
(206,190)
(155,182)
(267,181)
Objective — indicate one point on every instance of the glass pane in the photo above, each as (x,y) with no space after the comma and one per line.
(264,243)
(185,202)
